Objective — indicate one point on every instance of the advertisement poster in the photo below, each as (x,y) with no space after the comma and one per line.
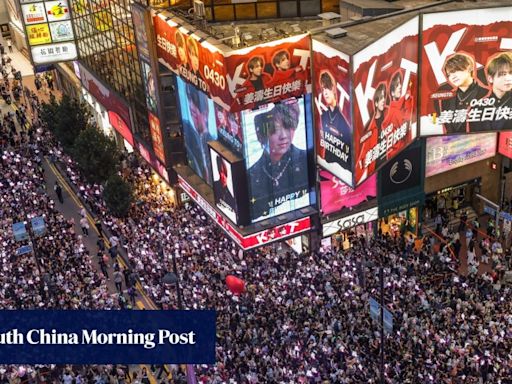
(198,116)
(448,152)
(200,64)
(332,111)
(337,196)
(156,137)
(149,86)
(229,128)
(268,72)
(505,144)
(46,54)
(139,25)
(33,13)
(223,189)
(57,10)
(61,31)
(38,34)
(275,150)
(385,81)
(466,72)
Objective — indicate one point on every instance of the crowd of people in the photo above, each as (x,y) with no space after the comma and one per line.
(302,318)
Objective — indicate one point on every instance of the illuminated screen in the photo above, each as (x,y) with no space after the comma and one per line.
(198,116)
(449,152)
(223,186)
(275,149)
(466,72)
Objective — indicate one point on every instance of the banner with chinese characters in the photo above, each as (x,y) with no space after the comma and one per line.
(466,81)
(156,137)
(49,30)
(239,79)
(385,83)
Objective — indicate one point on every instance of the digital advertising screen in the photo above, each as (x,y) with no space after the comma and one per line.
(156,137)
(385,85)
(223,188)
(466,79)
(229,128)
(505,144)
(448,152)
(336,196)
(268,72)
(149,86)
(199,63)
(332,111)
(198,116)
(275,152)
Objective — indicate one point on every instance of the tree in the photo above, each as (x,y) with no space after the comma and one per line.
(66,119)
(96,155)
(118,196)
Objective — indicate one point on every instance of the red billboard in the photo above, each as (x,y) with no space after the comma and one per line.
(238,79)
(280,232)
(505,144)
(268,72)
(466,79)
(385,84)
(199,63)
(156,137)
(331,82)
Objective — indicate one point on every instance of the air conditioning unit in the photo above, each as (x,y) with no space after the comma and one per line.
(334,33)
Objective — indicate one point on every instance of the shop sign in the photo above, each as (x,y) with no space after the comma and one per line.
(38,34)
(350,221)
(33,13)
(280,232)
(408,202)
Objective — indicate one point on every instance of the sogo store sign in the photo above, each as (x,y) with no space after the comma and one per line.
(350,221)
(256,239)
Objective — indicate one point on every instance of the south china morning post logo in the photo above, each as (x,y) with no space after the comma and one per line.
(107,337)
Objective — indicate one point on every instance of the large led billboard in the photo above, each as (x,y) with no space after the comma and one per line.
(275,151)
(268,72)
(336,196)
(466,76)
(229,128)
(448,152)
(198,116)
(332,111)
(385,83)
(239,79)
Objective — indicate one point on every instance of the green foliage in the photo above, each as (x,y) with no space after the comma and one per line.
(66,119)
(96,155)
(118,196)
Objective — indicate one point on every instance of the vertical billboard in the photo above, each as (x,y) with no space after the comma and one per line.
(385,84)
(198,117)
(336,196)
(268,72)
(505,144)
(275,151)
(448,152)
(466,79)
(49,31)
(229,128)
(332,111)
(156,137)
(229,185)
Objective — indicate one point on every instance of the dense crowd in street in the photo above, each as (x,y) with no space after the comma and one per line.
(302,319)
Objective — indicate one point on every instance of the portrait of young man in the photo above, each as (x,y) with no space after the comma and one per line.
(281,170)
(460,72)
(335,131)
(499,77)
(223,196)
(197,134)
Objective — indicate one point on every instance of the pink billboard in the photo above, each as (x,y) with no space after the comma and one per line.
(338,196)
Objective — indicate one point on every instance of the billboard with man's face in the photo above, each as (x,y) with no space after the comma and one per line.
(275,151)
(385,81)
(332,111)
(466,77)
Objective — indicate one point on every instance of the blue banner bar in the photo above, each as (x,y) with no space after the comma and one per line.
(107,337)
